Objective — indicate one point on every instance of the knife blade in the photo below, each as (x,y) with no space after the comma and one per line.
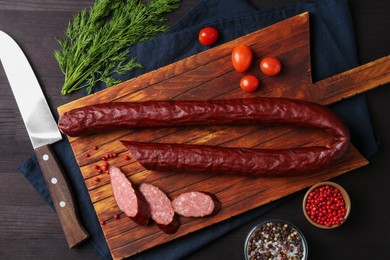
(43,131)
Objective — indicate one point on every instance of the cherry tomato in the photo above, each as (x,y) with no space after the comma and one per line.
(270,66)
(241,57)
(249,83)
(208,36)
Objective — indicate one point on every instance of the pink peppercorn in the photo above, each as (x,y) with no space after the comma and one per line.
(325,205)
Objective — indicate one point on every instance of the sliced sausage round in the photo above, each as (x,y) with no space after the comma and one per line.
(160,208)
(196,204)
(128,197)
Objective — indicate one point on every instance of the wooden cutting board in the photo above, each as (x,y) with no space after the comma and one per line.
(210,75)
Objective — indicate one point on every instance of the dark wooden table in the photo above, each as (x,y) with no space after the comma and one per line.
(30,229)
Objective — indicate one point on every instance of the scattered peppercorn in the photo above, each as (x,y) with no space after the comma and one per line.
(86,155)
(275,240)
(97,179)
(95,147)
(116,216)
(127,158)
(102,222)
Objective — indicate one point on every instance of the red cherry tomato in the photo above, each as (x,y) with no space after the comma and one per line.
(208,36)
(249,83)
(270,66)
(241,57)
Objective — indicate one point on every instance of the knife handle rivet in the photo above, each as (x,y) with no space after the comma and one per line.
(45,157)
(62,203)
(54,180)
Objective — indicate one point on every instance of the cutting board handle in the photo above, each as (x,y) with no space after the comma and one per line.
(351,82)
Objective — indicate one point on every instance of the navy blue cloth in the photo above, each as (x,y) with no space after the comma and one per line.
(333,51)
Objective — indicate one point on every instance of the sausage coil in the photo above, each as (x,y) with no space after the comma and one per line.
(212,159)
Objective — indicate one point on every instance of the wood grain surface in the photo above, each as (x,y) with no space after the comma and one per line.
(188,79)
(31,230)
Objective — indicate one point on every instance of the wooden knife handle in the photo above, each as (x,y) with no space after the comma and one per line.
(61,195)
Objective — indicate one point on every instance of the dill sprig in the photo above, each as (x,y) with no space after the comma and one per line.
(95,47)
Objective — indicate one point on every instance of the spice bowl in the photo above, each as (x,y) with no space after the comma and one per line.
(275,239)
(326,205)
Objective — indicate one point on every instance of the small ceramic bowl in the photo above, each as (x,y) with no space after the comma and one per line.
(275,239)
(326,208)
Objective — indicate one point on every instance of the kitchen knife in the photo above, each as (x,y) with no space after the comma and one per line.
(43,131)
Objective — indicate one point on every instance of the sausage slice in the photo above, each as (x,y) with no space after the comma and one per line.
(160,208)
(196,204)
(128,197)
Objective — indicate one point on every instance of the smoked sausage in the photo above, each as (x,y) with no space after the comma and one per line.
(263,110)
(211,159)
(233,161)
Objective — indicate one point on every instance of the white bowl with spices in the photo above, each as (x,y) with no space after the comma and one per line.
(275,239)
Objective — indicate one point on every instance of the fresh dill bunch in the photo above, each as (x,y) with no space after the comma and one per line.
(97,41)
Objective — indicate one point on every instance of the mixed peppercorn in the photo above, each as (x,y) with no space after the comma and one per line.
(275,240)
